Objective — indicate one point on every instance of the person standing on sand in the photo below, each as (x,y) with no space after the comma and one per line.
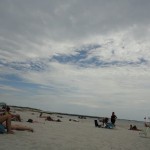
(113,118)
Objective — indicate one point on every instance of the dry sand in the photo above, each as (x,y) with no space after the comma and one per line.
(70,135)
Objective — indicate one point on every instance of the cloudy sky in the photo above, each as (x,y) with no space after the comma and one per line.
(86,57)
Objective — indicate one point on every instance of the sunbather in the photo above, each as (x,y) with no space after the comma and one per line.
(134,128)
(7,118)
(48,118)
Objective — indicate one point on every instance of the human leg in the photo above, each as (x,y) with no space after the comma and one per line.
(21,128)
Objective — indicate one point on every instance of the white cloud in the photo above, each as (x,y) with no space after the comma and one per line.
(33,32)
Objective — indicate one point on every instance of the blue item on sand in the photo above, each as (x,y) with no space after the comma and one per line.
(109,126)
(2,129)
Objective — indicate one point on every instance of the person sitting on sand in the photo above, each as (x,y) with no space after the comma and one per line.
(7,119)
(134,128)
(75,120)
(104,121)
(147,125)
(14,117)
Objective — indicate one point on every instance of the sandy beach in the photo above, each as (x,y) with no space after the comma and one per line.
(71,135)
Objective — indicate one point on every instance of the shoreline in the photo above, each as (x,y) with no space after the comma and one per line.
(67,114)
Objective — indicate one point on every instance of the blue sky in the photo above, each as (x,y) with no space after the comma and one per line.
(76,56)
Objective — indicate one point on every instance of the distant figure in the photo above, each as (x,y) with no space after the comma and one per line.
(147,125)
(113,118)
(51,119)
(134,128)
(48,118)
(104,121)
(75,120)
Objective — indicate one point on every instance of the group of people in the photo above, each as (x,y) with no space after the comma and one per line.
(6,117)
(105,120)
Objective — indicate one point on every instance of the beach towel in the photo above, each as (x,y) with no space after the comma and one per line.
(109,126)
(2,129)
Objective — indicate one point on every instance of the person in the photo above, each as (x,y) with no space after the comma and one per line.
(147,125)
(51,119)
(14,117)
(48,118)
(134,128)
(104,121)
(7,119)
(113,118)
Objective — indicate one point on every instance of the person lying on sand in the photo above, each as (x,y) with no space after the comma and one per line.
(51,119)
(48,118)
(7,119)
(75,120)
(134,128)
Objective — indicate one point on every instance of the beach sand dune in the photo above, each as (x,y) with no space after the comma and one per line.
(70,135)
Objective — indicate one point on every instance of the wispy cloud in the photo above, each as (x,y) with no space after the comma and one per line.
(76,56)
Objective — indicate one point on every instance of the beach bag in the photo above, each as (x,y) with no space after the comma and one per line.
(30,120)
(2,129)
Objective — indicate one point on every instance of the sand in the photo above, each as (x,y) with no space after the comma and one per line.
(70,135)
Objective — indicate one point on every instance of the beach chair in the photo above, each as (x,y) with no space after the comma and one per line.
(96,124)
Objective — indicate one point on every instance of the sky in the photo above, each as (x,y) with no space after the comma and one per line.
(88,57)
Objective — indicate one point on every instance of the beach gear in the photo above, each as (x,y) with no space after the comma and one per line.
(96,123)
(109,126)
(30,120)
(2,129)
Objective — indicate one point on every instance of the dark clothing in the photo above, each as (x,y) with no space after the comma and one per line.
(113,119)
(105,120)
